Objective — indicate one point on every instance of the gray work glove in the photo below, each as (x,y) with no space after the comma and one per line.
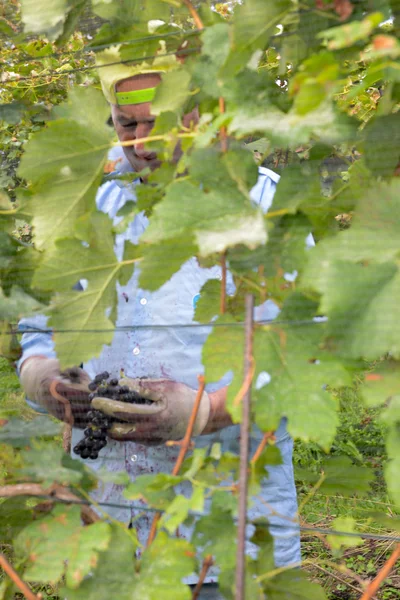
(164,419)
(45,384)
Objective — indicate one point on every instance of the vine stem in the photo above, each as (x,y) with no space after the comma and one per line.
(222,131)
(383,573)
(207,563)
(69,417)
(184,446)
(195,15)
(269,435)
(244,452)
(222,305)
(13,575)
(246,383)
(57,491)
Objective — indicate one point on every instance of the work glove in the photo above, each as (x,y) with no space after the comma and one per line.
(45,384)
(165,418)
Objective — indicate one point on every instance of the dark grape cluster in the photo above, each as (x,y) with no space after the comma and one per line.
(95,435)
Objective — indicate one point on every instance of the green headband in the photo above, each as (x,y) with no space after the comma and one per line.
(135,96)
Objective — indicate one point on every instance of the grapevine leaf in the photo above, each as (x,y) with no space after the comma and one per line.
(16,304)
(392,477)
(64,164)
(340,476)
(59,542)
(157,490)
(254,22)
(63,266)
(179,508)
(109,581)
(366,324)
(208,304)
(40,17)
(215,534)
(163,566)
(221,194)
(347,525)
(161,261)
(14,516)
(172,92)
(291,129)
(382,145)
(223,353)
(293,585)
(300,373)
(382,383)
(12,113)
(19,433)
(45,464)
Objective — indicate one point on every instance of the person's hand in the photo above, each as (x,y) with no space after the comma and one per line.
(165,418)
(45,384)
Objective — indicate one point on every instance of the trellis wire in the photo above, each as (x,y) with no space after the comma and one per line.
(290,525)
(182,52)
(126,328)
(149,38)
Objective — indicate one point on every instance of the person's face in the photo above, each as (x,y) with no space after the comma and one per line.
(134,121)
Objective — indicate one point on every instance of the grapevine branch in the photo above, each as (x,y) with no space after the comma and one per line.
(222,307)
(244,450)
(13,575)
(58,492)
(69,418)
(184,446)
(269,435)
(246,383)
(383,573)
(207,563)
(195,15)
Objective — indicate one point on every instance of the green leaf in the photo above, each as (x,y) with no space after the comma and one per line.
(59,544)
(215,534)
(19,433)
(207,306)
(163,566)
(161,261)
(156,490)
(14,516)
(382,144)
(231,219)
(254,22)
(347,525)
(293,585)
(82,311)
(223,352)
(42,17)
(172,92)
(12,113)
(350,33)
(45,463)
(114,572)
(341,477)
(18,303)
(291,129)
(64,164)
(179,508)
(300,372)
(382,383)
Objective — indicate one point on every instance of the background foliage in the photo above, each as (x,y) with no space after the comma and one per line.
(311,89)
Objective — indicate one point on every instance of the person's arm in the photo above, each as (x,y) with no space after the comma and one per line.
(219,417)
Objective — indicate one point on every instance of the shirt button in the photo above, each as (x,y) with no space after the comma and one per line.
(136,351)
(143,301)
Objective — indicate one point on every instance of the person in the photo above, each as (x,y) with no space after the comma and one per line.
(167,359)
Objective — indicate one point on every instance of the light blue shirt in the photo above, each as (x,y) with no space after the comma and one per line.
(173,353)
